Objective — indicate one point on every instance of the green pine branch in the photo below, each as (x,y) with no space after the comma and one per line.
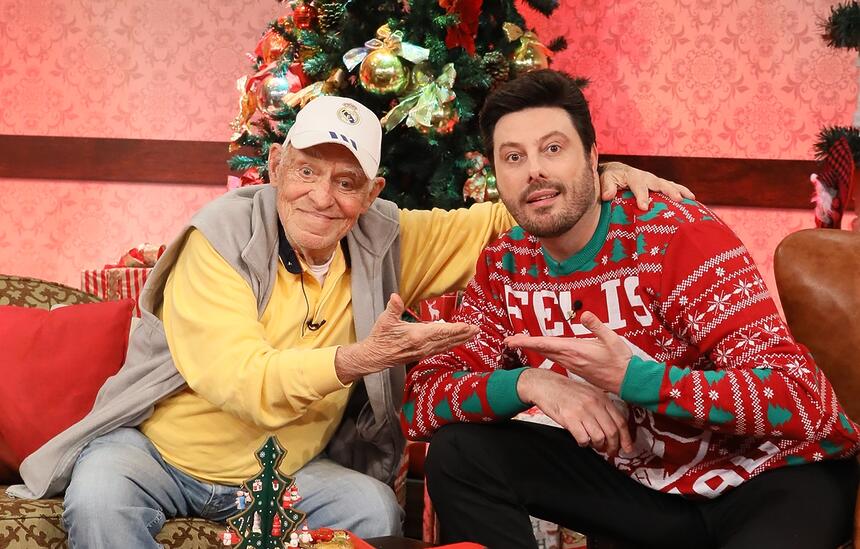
(241,162)
(842,28)
(828,137)
(309,38)
(318,66)
(558,44)
(250,140)
(471,73)
(446,20)
(546,7)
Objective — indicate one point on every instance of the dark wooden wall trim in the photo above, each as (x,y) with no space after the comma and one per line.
(734,181)
(107,159)
(716,181)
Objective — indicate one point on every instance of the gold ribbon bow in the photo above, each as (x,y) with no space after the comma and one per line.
(389,40)
(513,32)
(422,106)
(330,85)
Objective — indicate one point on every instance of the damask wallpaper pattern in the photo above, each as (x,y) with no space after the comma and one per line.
(727,78)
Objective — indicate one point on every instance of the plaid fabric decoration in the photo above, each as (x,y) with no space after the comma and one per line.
(837,181)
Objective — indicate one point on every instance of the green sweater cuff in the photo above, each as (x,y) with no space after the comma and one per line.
(502,395)
(642,382)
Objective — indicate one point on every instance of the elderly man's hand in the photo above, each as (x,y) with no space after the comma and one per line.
(602,360)
(584,410)
(616,175)
(393,342)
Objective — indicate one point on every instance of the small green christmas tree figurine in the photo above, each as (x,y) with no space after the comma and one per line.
(266,517)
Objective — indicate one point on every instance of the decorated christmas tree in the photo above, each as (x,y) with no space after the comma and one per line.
(266,516)
(423,66)
(838,147)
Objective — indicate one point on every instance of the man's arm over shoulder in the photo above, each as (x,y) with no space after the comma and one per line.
(468,383)
(753,378)
(219,346)
(439,247)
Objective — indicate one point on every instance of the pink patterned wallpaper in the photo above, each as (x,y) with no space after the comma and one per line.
(724,78)
(731,78)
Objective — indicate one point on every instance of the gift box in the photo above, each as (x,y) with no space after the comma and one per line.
(126,277)
(116,283)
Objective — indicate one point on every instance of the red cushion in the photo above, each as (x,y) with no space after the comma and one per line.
(52,364)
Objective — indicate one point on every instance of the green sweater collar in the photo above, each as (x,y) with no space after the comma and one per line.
(587,253)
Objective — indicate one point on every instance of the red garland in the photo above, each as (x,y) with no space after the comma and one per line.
(463,35)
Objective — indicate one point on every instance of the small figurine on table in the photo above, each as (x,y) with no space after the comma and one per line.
(241,499)
(305,536)
(229,538)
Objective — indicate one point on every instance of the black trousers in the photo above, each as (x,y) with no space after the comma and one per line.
(486,479)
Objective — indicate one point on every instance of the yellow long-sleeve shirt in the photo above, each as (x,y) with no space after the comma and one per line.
(249,378)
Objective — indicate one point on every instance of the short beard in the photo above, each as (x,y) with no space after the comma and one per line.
(583,197)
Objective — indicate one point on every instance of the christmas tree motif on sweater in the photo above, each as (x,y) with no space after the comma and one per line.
(618,253)
(266,515)
(641,245)
(654,211)
(619,216)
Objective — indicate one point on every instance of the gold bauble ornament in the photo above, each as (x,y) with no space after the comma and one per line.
(529,56)
(382,73)
(422,75)
(442,121)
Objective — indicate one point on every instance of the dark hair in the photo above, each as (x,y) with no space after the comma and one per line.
(541,88)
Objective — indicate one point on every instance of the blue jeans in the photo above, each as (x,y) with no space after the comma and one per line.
(122,492)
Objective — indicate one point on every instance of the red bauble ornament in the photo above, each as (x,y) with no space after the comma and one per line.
(271,47)
(305,16)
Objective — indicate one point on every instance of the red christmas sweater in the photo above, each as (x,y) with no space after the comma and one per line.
(717,390)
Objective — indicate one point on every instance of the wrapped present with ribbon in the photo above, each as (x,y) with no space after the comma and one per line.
(125,278)
(142,255)
(251,176)
(431,107)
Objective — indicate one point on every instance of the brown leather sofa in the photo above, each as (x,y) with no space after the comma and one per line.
(818,276)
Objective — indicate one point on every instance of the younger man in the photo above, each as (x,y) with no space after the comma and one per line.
(690,416)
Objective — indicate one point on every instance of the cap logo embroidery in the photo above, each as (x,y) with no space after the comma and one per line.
(348,114)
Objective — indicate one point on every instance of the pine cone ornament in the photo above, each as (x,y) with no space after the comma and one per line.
(331,14)
(496,65)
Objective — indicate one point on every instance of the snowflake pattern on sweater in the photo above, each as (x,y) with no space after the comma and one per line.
(717,390)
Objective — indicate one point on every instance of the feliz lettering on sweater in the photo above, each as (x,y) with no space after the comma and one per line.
(717,390)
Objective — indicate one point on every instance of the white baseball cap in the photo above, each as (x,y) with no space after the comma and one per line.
(331,119)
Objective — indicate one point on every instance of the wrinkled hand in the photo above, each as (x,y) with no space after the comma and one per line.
(584,410)
(601,361)
(393,342)
(617,176)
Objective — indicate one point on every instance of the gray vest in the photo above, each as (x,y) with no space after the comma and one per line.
(242,227)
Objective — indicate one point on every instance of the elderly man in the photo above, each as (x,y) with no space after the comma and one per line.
(268,315)
(672,407)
